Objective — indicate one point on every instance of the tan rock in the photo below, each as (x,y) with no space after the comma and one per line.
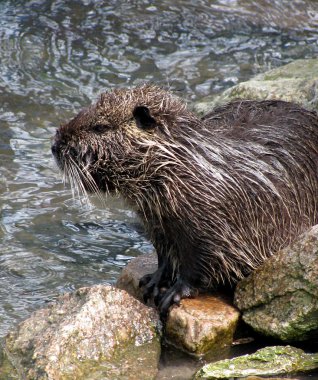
(202,324)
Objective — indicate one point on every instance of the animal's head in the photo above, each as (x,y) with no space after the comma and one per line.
(109,144)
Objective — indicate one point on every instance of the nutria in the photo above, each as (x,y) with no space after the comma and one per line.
(217,195)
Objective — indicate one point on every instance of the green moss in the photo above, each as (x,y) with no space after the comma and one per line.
(143,359)
(7,371)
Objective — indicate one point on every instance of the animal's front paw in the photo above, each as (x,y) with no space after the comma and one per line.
(150,283)
(179,290)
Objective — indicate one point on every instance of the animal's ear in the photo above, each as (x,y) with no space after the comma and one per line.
(143,118)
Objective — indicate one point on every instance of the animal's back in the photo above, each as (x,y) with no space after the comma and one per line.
(256,187)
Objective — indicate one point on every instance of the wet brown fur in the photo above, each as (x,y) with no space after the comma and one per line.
(217,195)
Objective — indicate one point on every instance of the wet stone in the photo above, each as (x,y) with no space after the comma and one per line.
(202,324)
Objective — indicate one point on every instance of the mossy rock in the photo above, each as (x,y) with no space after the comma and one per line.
(269,361)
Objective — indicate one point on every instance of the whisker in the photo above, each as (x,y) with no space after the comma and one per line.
(81,182)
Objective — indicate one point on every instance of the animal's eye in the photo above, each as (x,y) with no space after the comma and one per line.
(100,128)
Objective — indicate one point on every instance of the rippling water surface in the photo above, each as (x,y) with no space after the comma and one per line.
(55,57)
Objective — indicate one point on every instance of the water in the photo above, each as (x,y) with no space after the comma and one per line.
(56,56)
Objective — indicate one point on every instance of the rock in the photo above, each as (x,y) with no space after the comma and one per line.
(199,324)
(280,298)
(296,82)
(134,270)
(202,324)
(93,333)
(269,361)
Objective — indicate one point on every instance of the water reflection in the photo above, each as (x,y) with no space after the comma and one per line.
(56,56)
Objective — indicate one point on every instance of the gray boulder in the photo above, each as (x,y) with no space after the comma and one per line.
(280,298)
(129,277)
(295,82)
(93,333)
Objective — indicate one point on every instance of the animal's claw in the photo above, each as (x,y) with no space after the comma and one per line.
(174,294)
